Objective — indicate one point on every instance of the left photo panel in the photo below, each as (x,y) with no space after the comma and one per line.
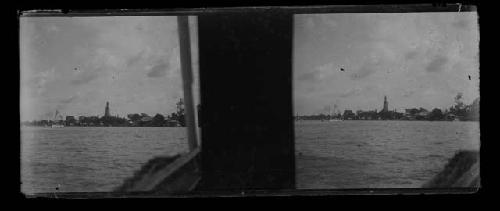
(103,97)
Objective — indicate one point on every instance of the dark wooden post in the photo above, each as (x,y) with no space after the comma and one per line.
(187,78)
(246,96)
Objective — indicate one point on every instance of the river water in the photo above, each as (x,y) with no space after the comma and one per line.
(90,159)
(377,154)
(347,154)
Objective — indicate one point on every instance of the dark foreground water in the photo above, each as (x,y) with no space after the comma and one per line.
(76,159)
(347,154)
(377,154)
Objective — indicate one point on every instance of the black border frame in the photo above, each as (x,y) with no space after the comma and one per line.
(379,8)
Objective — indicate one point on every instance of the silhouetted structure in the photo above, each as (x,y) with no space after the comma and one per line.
(386,105)
(106,111)
(348,114)
(70,120)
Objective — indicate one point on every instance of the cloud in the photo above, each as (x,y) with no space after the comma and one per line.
(351,92)
(357,91)
(136,58)
(366,70)
(85,78)
(158,70)
(409,93)
(69,100)
(437,64)
(101,61)
(63,104)
(53,28)
(310,76)
(40,79)
(320,73)
(139,27)
(411,55)
(461,24)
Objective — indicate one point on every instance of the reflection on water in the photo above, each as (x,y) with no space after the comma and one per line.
(377,154)
(85,159)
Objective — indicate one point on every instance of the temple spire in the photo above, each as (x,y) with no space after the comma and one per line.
(106,111)
(386,105)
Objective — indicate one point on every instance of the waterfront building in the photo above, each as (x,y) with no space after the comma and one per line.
(384,113)
(106,111)
(348,114)
(180,106)
(70,120)
(450,117)
(473,110)
(386,105)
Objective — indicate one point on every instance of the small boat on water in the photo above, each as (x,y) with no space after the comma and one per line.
(335,120)
(334,113)
(57,120)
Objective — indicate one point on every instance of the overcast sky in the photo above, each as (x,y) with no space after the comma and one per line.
(76,64)
(416,59)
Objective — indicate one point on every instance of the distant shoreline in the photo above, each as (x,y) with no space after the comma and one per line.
(406,120)
(94,126)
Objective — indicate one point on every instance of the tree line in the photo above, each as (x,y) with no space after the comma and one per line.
(175,119)
(458,111)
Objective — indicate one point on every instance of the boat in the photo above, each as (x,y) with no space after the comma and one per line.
(333,119)
(57,121)
(336,120)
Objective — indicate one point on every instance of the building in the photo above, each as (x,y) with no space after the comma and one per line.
(473,111)
(384,113)
(348,114)
(422,115)
(70,120)
(106,111)
(146,119)
(386,105)
(450,117)
(180,106)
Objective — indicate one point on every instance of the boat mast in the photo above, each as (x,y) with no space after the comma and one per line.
(187,79)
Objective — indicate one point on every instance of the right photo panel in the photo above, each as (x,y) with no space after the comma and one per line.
(386,100)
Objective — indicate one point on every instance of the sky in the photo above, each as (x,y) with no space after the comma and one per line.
(415,59)
(76,64)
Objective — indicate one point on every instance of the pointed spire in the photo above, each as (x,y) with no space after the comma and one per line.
(106,111)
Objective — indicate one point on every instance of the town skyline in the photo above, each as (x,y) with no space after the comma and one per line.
(329,108)
(75,64)
(355,59)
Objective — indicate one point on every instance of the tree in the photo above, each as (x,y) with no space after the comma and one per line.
(459,109)
(436,114)
(158,120)
(414,111)
(134,117)
(473,112)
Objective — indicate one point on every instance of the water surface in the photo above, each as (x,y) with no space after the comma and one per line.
(89,159)
(377,154)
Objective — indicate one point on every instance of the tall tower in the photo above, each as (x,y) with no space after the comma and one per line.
(106,112)
(386,105)
(180,106)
